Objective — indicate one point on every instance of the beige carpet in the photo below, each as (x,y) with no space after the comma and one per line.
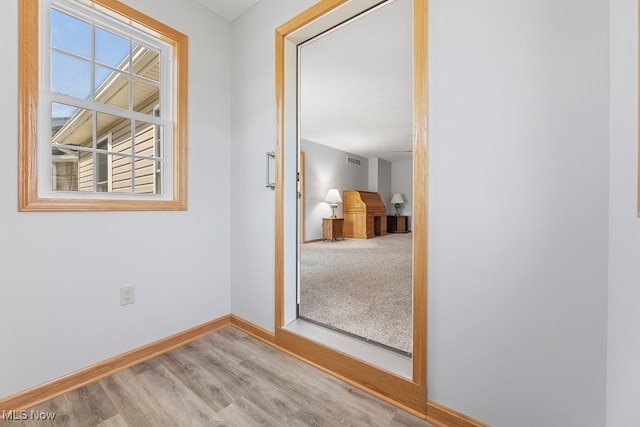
(361,286)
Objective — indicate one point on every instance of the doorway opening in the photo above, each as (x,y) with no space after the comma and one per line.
(290,333)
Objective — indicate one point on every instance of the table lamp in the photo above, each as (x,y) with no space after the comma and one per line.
(333,197)
(397,200)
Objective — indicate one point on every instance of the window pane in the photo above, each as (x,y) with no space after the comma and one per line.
(71,125)
(158,176)
(85,171)
(70,76)
(64,169)
(112,49)
(118,128)
(121,174)
(70,34)
(60,115)
(148,176)
(147,63)
(102,171)
(146,96)
(112,87)
(102,73)
(146,140)
(121,136)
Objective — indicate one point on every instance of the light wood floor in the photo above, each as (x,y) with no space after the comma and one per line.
(225,379)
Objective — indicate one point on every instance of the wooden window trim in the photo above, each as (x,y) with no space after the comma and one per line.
(28,88)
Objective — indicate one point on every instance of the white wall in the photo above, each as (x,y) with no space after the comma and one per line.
(385,181)
(518,181)
(623,373)
(60,304)
(326,168)
(253,133)
(402,182)
(518,202)
(380,178)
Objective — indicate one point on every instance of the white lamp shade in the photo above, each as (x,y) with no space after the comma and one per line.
(333,196)
(397,199)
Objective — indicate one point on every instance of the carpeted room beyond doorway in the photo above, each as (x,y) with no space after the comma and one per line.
(360,286)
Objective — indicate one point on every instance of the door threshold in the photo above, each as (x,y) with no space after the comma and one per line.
(358,337)
(372,354)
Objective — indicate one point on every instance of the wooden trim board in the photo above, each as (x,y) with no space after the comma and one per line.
(253,330)
(442,416)
(420,190)
(74,380)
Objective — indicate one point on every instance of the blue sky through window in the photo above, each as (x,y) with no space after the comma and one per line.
(71,70)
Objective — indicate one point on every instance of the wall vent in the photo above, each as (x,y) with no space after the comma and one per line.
(353,161)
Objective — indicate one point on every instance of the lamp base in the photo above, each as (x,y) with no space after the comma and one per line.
(333,210)
(397,205)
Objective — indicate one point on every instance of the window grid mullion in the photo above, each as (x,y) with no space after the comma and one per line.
(94,114)
(130,73)
(133,157)
(61,98)
(89,150)
(94,154)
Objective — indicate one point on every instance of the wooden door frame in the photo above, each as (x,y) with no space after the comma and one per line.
(409,393)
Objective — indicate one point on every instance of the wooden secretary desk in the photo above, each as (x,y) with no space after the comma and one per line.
(365,216)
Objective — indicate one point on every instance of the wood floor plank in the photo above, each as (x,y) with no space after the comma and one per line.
(62,407)
(227,378)
(402,419)
(141,367)
(115,421)
(203,382)
(282,382)
(212,378)
(244,411)
(308,417)
(186,407)
(91,405)
(133,402)
(226,344)
(294,377)
(270,396)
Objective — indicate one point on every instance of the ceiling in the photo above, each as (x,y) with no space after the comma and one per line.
(228,9)
(356,85)
(356,81)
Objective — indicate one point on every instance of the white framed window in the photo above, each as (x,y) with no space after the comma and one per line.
(110,99)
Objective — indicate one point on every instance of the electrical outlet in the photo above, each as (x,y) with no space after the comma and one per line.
(127,295)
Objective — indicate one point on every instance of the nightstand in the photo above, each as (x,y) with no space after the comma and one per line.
(397,224)
(332,228)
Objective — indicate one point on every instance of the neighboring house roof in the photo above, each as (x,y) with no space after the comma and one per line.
(114,91)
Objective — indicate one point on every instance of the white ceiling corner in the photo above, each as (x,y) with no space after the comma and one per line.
(228,9)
